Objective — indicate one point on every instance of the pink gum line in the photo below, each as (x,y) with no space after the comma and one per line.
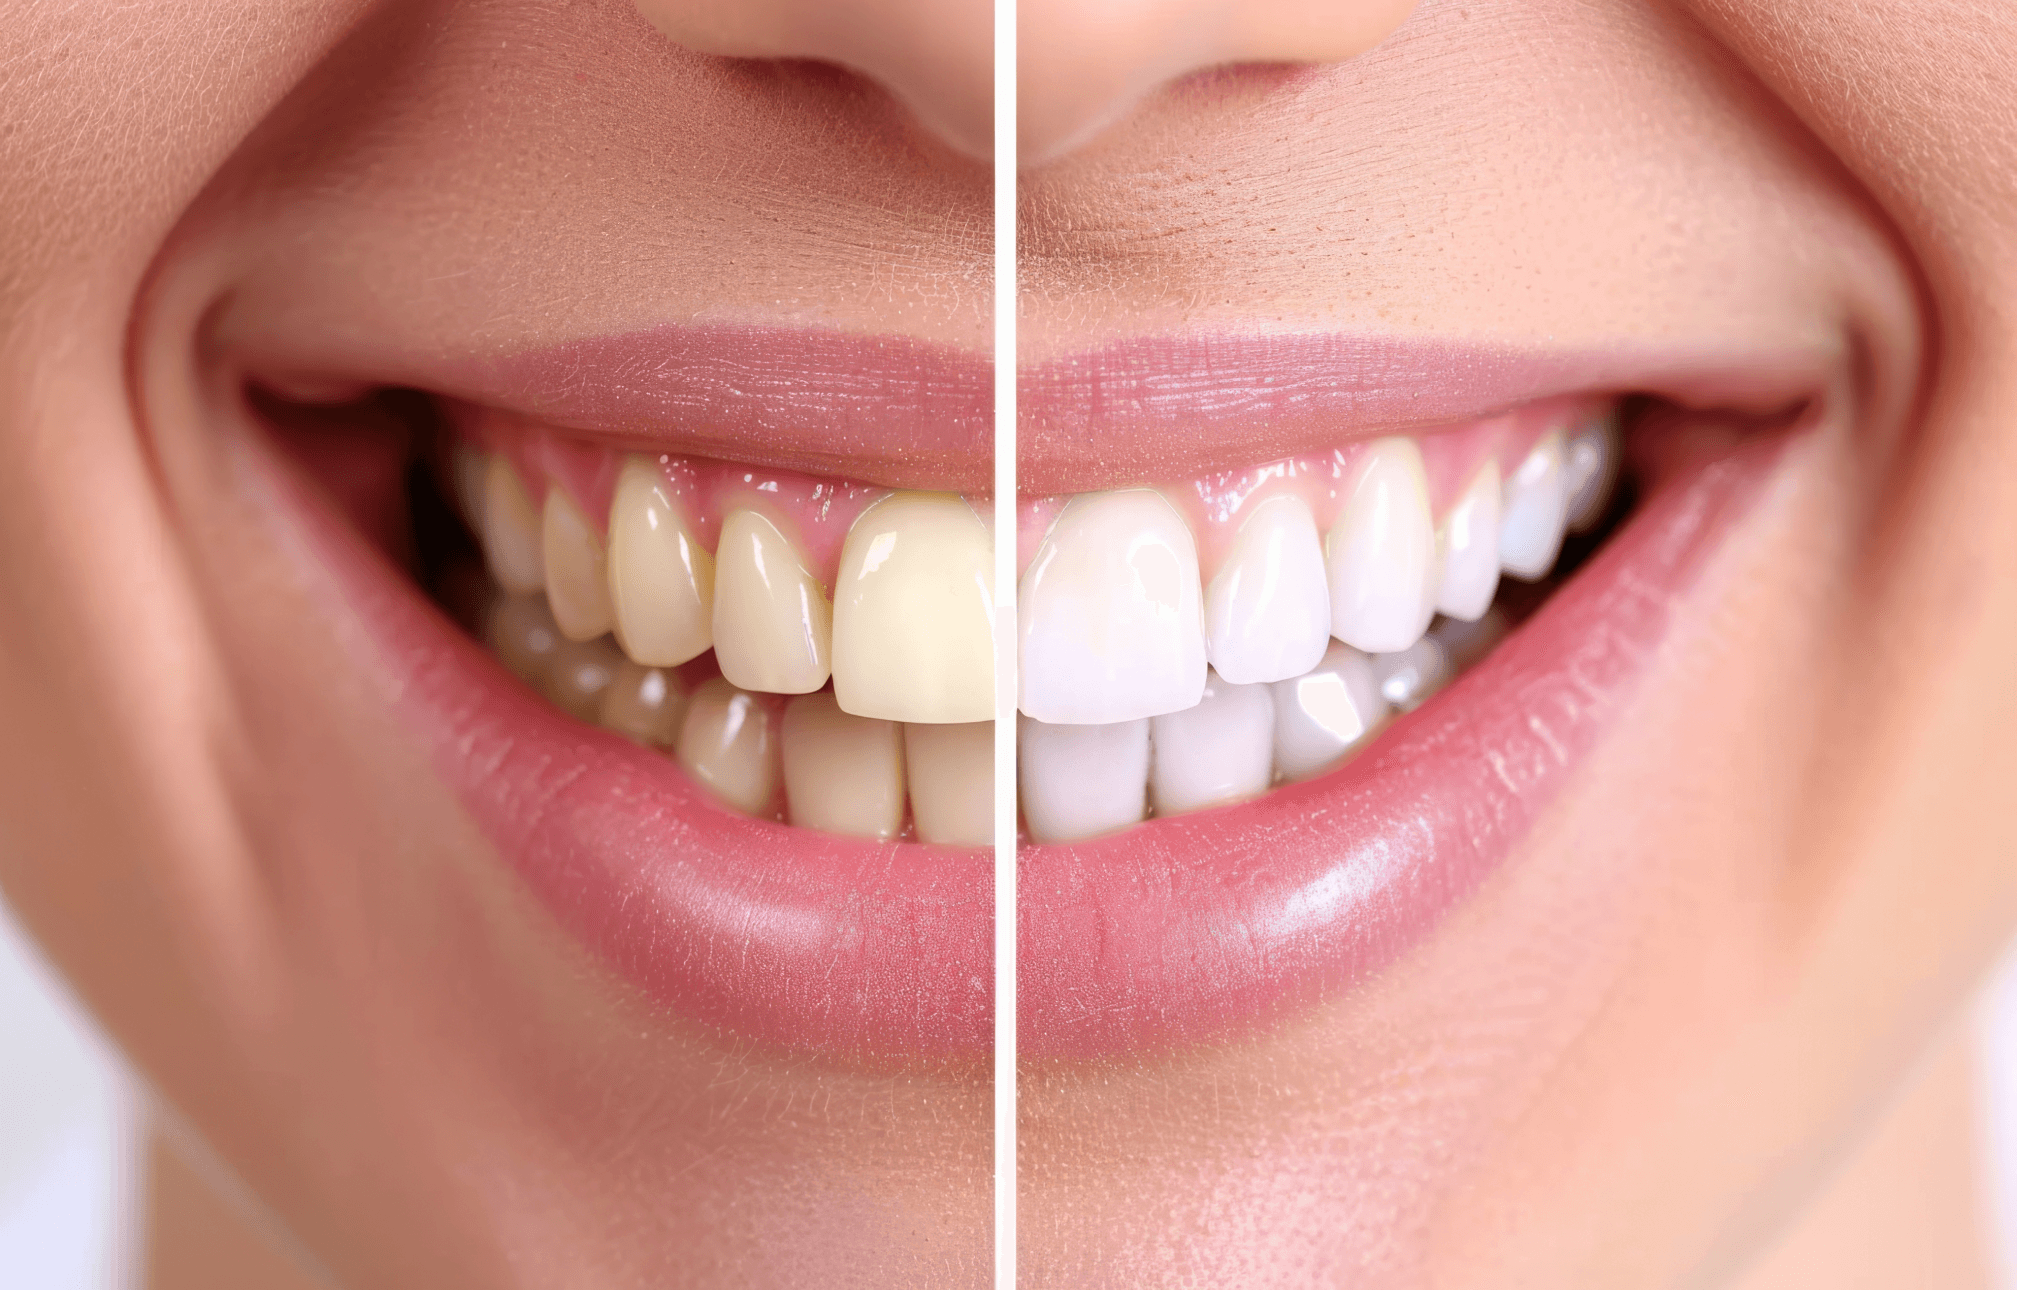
(1216,505)
(814,510)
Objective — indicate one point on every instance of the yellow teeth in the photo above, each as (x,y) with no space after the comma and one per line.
(577,589)
(661,582)
(644,704)
(842,773)
(524,636)
(727,743)
(579,673)
(773,625)
(951,770)
(913,627)
(511,531)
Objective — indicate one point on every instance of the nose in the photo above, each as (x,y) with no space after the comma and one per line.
(936,56)
(1082,63)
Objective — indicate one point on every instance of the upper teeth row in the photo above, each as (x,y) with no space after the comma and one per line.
(1116,625)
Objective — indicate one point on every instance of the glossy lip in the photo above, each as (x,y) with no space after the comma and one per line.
(1188,929)
(1167,408)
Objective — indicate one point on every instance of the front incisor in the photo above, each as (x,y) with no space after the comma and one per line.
(951,774)
(661,581)
(773,625)
(842,773)
(913,625)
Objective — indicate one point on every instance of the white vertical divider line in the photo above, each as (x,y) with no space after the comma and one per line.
(1005,643)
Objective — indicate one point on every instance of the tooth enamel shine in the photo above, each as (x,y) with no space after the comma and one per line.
(1080,781)
(1470,546)
(1268,609)
(1381,553)
(577,587)
(1536,512)
(661,581)
(1220,751)
(773,625)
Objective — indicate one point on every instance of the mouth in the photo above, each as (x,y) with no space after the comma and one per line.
(1279,716)
(726,716)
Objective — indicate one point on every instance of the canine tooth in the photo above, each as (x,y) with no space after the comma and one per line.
(524,636)
(727,744)
(1080,781)
(1382,552)
(661,581)
(467,468)
(1592,462)
(645,704)
(580,672)
(913,612)
(1530,530)
(1322,714)
(951,772)
(1220,751)
(577,587)
(1268,609)
(1409,677)
(773,625)
(1470,548)
(511,531)
(842,773)
(1110,619)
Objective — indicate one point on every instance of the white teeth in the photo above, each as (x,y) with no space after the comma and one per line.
(913,612)
(523,635)
(1530,532)
(1268,609)
(1110,617)
(1382,552)
(842,773)
(661,582)
(644,704)
(727,744)
(951,770)
(1220,751)
(1470,548)
(511,531)
(1408,678)
(577,587)
(579,674)
(1320,716)
(1078,782)
(1593,461)
(773,625)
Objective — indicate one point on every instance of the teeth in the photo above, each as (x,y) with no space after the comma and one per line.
(579,673)
(1220,751)
(1470,548)
(524,636)
(1530,534)
(1593,460)
(1320,716)
(511,531)
(1408,678)
(952,782)
(1081,781)
(913,626)
(1465,643)
(1382,552)
(1268,610)
(842,773)
(468,467)
(1111,623)
(726,743)
(645,704)
(661,582)
(773,625)
(577,588)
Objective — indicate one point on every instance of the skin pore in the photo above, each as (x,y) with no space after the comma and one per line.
(1678,1026)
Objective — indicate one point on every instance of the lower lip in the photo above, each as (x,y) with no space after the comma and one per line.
(1197,927)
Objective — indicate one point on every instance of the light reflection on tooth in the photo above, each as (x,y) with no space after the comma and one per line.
(644,704)
(1110,615)
(1536,509)
(1592,463)
(728,745)
(1220,751)
(1268,609)
(951,773)
(1381,552)
(511,531)
(773,625)
(913,612)
(842,773)
(1078,782)
(661,581)
(577,588)
(1470,546)
(1408,678)
(1321,715)
(523,635)
(579,673)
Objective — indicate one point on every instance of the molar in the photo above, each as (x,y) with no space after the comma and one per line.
(951,771)
(661,580)
(1111,617)
(1079,781)
(1268,608)
(842,773)
(728,745)
(773,625)
(1381,552)
(913,612)
(577,587)
(1220,751)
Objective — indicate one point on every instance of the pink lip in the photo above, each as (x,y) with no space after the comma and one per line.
(1190,928)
